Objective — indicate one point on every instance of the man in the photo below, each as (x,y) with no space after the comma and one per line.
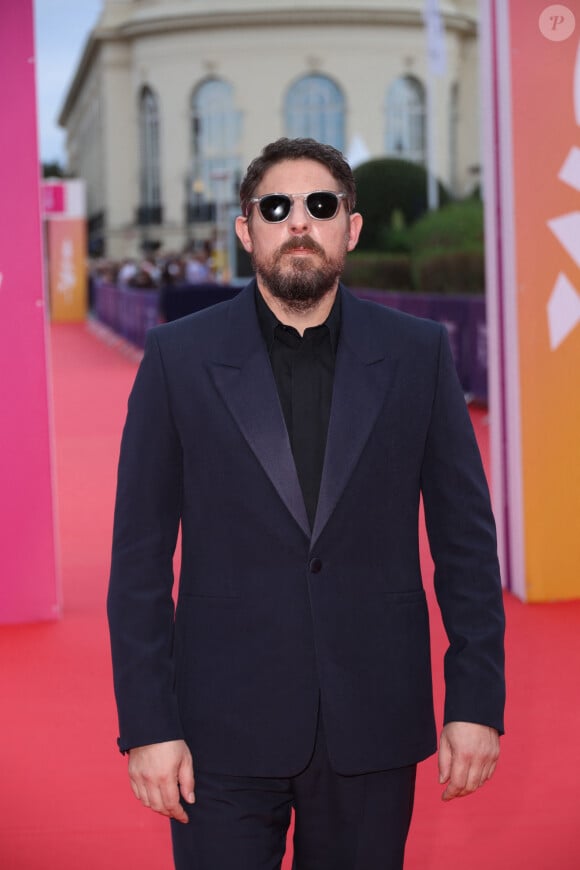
(291,432)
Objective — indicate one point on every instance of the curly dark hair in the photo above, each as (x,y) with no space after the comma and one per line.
(298,149)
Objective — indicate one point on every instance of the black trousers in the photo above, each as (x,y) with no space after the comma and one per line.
(341,822)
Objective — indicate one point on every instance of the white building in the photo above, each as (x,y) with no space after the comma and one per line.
(173,98)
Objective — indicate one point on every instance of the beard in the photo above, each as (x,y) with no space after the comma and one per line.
(296,281)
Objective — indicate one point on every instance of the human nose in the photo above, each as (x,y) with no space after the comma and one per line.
(299,219)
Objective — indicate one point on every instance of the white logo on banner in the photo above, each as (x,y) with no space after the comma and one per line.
(567,230)
(557,23)
(67,277)
(563,311)
(564,303)
(570,171)
(577,87)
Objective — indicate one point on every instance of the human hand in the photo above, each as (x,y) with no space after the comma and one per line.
(468,755)
(158,773)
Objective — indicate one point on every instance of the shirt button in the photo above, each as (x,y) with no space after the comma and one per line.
(315,566)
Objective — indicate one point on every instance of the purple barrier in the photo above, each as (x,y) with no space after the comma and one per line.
(130,313)
(105,298)
(464,317)
(476,342)
(453,314)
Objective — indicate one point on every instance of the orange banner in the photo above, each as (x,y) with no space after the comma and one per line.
(545,65)
(67,269)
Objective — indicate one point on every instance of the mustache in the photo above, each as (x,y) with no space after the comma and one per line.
(300,242)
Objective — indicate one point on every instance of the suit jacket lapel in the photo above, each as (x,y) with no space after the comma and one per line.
(362,380)
(243,375)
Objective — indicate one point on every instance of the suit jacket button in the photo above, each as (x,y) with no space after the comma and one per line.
(315,566)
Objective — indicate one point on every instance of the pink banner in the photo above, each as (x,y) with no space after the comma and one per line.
(53,198)
(29,588)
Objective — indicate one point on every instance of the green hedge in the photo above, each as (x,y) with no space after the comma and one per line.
(378,271)
(456,226)
(440,270)
(441,252)
(447,249)
(433,271)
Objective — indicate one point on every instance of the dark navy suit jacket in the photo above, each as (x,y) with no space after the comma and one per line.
(271,618)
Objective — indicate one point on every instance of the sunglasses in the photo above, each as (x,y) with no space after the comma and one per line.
(322,205)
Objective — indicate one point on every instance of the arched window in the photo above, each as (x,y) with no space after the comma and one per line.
(405,118)
(150,173)
(315,107)
(215,129)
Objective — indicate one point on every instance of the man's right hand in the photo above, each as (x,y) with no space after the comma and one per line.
(158,773)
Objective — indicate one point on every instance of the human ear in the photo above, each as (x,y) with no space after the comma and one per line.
(243,233)
(355,226)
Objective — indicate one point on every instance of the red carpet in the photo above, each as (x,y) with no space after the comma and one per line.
(65,802)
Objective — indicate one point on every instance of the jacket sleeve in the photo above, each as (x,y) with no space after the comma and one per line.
(462,538)
(140,604)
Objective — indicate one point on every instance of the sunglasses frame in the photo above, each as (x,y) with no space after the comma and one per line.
(257,200)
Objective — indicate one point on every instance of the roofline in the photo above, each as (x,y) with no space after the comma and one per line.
(461,23)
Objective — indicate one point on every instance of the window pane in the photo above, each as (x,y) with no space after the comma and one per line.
(216,135)
(405,120)
(150,177)
(315,108)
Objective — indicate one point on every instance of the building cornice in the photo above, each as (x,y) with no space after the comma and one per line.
(290,17)
(314,16)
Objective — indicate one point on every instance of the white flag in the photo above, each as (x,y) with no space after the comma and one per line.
(436,55)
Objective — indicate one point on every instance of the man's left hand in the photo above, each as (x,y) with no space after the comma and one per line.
(468,754)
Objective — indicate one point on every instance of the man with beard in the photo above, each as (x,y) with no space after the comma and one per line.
(290,433)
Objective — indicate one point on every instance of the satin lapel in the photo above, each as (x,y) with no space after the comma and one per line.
(246,383)
(362,380)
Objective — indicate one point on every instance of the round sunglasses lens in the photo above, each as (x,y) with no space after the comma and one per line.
(322,205)
(275,208)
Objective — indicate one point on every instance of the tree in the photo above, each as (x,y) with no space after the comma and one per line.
(389,188)
(53,169)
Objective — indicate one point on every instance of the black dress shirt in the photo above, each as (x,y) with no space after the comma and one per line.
(303,369)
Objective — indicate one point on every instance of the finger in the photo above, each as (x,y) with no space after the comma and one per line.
(475,776)
(484,775)
(451,792)
(180,815)
(163,800)
(187,781)
(444,762)
(157,801)
(489,772)
(143,795)
(142,787)
(457,780)
(149,793)
(138,784)
(169,796)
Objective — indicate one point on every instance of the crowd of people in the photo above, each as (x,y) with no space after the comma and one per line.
(155,270)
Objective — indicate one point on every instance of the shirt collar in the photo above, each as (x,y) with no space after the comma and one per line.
(268,321)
